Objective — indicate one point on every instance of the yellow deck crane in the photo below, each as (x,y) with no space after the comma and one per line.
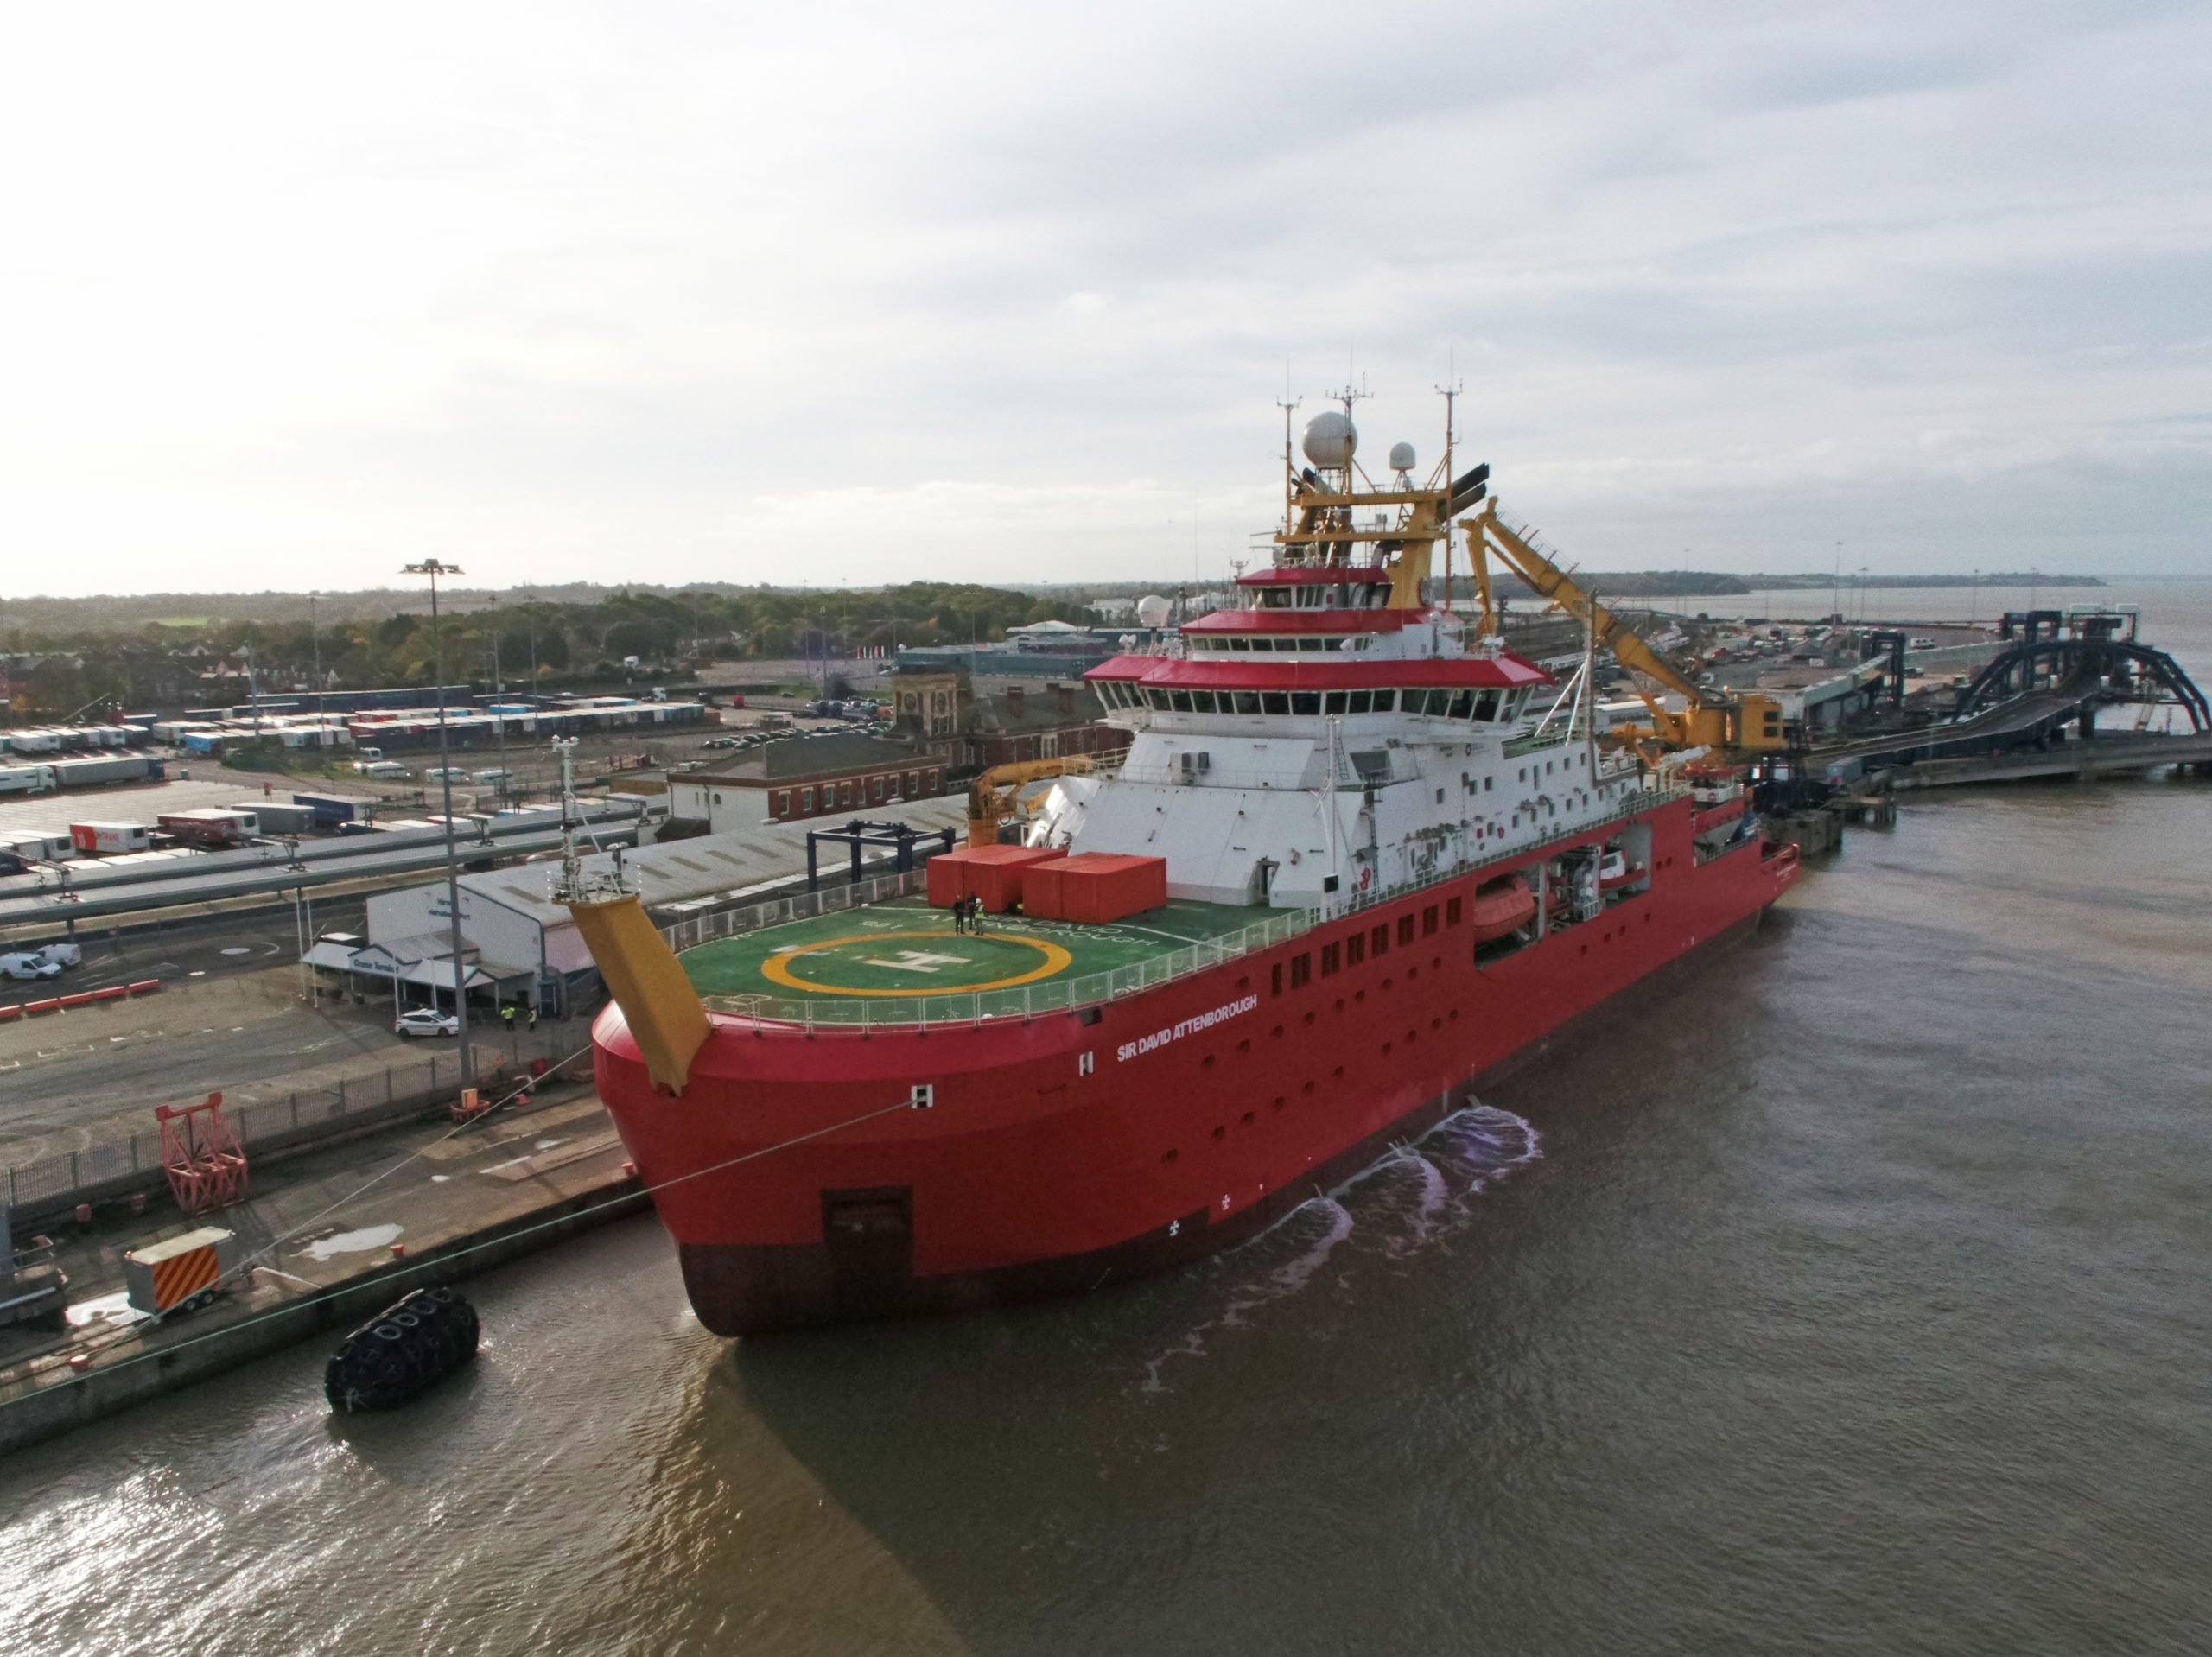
(992,797)
(1729,722)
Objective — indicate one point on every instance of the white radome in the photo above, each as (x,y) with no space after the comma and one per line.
(1401,457)
(1153,611)
(1331,440)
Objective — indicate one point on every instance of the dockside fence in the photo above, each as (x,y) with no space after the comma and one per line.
(298,1120)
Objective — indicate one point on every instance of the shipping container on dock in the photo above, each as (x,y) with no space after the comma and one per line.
(41,845)
(994,873)
(26,780)
(110,838)
(328,812)
(1094,887)
(118,768)
(276,819)
(210,828)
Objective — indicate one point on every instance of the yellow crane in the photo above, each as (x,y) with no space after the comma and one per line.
(1742,722)
(992,796)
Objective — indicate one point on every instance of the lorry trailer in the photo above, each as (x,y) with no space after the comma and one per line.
(182,1274)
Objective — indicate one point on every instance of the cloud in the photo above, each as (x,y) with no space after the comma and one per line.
(690,293)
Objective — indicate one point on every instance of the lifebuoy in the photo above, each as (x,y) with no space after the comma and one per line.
(1365,875)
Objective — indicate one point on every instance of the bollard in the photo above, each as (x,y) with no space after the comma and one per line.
(137,1202)
(84,1214)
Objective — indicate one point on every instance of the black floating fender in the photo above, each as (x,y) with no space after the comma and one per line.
(402,1352)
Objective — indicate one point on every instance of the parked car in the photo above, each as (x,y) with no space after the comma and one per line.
(65,954)
(28,968)
(425,1021)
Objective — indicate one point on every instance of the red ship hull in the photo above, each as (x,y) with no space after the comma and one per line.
(1079,1148)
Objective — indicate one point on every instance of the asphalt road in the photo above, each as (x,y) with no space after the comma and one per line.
(235,1024)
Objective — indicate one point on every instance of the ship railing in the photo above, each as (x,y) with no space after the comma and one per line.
(1634,802)
(864,1012)
(696,929)
(861,1013)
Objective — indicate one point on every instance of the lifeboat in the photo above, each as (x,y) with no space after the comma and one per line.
(1504,906)
(1614,871)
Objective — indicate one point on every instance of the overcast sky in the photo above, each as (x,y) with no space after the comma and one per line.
(838,294)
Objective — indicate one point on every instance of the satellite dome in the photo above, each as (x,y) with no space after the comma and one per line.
(1331,439)
(1401,457)
(1153,611)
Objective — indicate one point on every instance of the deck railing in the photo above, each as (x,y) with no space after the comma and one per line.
(864,1012)
(858,1014)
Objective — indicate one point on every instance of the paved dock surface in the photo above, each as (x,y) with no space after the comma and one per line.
(321,1230)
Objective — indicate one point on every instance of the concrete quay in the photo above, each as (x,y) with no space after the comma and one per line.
(334,1235)
(2107,754)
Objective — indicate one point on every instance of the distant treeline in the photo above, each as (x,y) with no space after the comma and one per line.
(1633,584)
(82,650)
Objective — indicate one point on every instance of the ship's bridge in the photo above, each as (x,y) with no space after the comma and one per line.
(1335,587)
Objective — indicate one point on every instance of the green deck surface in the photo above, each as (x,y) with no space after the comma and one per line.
(905,949)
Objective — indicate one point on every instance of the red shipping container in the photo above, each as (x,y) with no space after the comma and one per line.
(1097,887)
(995,874)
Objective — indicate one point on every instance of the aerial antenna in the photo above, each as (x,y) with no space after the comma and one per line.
(1450,392)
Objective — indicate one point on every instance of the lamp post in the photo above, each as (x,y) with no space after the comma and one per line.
(434,569)
(499,692)
(314,643)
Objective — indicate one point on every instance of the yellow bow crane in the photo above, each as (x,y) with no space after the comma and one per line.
(1731,722)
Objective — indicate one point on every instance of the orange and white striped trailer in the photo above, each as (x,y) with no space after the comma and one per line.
(180,1274)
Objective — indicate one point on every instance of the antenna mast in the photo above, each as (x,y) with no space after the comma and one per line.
(1450,392)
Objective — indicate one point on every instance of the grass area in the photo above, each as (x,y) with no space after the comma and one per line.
(906,949)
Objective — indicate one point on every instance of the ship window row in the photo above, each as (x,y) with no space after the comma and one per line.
(1485,706)
(1365,595)
(1365,942)
(1241,642)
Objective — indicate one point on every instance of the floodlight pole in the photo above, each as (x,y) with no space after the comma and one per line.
(433,568)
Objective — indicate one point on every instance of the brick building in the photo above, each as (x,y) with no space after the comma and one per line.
(970,721)
(810,777)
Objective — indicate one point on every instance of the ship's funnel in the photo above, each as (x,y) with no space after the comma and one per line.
(664,1012)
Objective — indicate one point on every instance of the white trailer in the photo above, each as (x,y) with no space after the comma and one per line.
(182,1273)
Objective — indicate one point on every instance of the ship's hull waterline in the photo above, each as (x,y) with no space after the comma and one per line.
(1077,1150)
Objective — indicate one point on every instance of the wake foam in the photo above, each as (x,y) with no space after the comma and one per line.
(1414,1197)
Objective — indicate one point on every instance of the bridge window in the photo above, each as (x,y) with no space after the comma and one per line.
(1462,705)
(1248,701)
(1334,703)
(1158,699)
(1363,702)
(1304,701)
(1240,644)
(1275,702)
